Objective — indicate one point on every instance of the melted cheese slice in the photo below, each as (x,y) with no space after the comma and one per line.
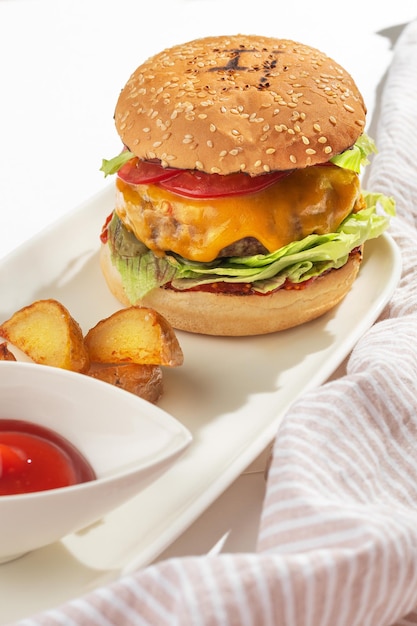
(312,200)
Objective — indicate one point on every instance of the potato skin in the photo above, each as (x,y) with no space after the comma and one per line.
(142,380)
(5,354)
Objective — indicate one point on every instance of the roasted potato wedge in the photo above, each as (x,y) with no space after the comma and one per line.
(142,380)
(46,332)
(134,335)
(5,354)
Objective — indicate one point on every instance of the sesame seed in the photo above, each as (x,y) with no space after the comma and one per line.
(146,129)
(234,152)
(258,163)
(266,168)
(235,132)
(209,143)
(322,139)
(215,170)
(213,128)
(317,127)
(305,140)
(310,151)
(270,150)
(222,153)
(348,107)
(199,165)
(293,158)
(157,144)
(327,150)
(332,119)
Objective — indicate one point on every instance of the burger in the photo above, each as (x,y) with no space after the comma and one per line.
(238,204)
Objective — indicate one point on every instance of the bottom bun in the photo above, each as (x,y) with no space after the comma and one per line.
(233,315)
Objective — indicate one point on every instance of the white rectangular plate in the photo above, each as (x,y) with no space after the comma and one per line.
(231,393)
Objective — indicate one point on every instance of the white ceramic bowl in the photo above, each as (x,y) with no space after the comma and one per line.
(128,441)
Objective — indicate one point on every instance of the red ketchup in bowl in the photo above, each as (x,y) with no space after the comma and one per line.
(35,458)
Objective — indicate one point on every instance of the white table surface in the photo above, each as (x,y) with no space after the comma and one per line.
(62,65)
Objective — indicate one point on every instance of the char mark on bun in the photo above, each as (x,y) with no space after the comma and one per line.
(239,208)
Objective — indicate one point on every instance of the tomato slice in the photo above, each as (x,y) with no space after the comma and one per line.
(195,184)
(138,172)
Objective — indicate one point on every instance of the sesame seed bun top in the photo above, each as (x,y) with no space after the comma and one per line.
(240,103)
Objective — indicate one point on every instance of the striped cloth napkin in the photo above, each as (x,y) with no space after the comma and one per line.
(337,544)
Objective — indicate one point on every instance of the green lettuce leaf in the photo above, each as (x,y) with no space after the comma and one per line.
(356,157)
(299,261)
(113,165)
